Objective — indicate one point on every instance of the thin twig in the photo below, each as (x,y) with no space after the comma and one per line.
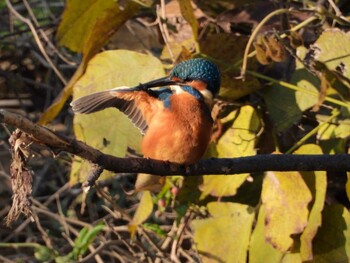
(37,40)
(163,29)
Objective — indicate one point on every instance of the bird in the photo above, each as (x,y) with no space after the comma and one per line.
(173,113)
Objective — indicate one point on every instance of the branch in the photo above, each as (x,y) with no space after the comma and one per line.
(258,163)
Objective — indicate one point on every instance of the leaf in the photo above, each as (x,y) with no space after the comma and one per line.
(293,102)
(330,61)
(188,14)
(333,49)
(229,49)
(44,254)
(332,242)
(331,130)
(239,140)
(110,130)
(143,211)
(282,114)
(79,19)
(86,27)
(225,236)
(85,238)
(317,183)
(285,198)
(259,247)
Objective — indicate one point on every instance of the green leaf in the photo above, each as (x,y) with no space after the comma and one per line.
(239,140)
(286,106)
(44,254)
(329,57)
(282,107)
(285,198)
(155,228)
(110,130)
(332,242)
(143,211)
(85,238)
(224,237)
(317,183)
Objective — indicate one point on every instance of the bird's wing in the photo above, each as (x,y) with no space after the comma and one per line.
(138,105)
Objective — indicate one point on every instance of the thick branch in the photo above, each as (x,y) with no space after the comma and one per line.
(259,163)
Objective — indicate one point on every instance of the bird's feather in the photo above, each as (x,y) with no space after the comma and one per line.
(137,105)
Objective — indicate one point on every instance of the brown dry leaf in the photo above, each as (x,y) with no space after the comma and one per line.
(21,177)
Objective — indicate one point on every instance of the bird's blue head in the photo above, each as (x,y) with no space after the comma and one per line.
(198,73)
(198,69)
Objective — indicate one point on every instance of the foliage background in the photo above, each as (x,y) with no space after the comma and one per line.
(295,99)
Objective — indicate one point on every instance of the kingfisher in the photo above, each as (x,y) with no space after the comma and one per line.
(173,113)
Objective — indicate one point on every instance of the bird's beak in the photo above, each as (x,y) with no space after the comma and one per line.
(158,83)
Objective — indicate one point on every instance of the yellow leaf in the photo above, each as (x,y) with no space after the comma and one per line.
(110,130)
(143,211)
(317,183)
(225,236)
(86,27)
(285,198)
(79,19)
(239,140)
(259,247)
(188,14)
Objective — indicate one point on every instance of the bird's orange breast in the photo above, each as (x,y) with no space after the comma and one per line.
(180,133)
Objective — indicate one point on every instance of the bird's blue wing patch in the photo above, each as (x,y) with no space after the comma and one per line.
(163,95)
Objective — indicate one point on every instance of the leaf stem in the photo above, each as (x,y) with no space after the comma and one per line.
(335,114)
(296,88)
(256,31)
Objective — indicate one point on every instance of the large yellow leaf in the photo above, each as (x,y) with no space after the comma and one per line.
(79,19)
(86,27)
(239,140)
(225,236)
(110,130)
(317,183)
(285,198)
